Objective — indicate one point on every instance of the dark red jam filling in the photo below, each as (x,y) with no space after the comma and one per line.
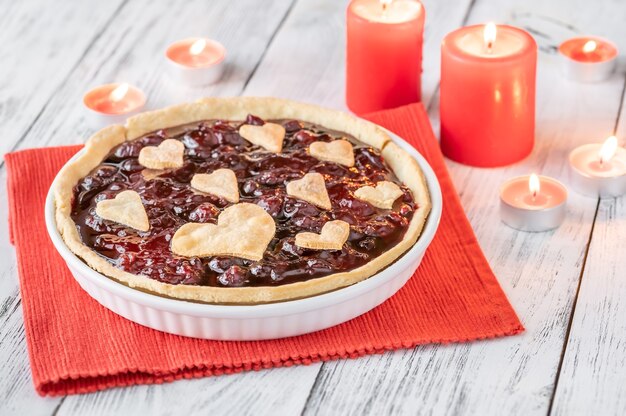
(262,176)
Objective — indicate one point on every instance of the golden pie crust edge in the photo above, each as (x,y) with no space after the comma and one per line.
(99,145)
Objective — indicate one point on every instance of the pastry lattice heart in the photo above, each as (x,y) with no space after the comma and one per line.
(270,136)
(338,151)
(243,230)
(221,182)
(382,196)
(334,234)
(169,154)
(126,209)
(311,188)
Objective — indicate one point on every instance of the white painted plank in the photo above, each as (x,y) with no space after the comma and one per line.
(281,391)
(593,374)
(539,272)
(41,43)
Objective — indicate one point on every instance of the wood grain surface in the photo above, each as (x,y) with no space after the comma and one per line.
(567,285)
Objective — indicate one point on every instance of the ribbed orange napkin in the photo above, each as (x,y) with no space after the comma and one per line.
(78,346)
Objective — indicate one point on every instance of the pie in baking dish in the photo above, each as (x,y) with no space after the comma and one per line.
(241,201)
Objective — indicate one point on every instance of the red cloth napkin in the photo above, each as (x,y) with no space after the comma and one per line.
(77,346)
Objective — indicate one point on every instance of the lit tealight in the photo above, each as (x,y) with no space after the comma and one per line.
(196,61)
(588,59)
(533,203)
(599,169)
(112,103)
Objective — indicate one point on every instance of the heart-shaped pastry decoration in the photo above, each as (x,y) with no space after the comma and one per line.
(269,136)
(126,209)
(311,188)
(221,182)
(338,151)
(383,196)
(169,154)
(334,234)
(243,230)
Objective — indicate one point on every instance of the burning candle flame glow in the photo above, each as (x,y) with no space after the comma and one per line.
(534,186)
(489,35)
(608,149)
(590,46)
(197,47)
(119,93)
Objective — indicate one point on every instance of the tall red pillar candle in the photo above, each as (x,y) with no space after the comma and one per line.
(488,95)
(384,54)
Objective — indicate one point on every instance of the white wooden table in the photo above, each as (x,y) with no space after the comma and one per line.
(568,285)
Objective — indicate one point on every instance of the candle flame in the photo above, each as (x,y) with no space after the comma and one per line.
(608,149)
(489,35)
(534,186)
(590,46)
(197,47)
(119,92)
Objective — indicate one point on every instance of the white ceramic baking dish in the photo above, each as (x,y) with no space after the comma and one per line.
(254,322)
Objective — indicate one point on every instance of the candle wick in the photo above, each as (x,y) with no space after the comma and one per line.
(489,47)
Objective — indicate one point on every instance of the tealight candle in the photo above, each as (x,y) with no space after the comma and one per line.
(488,95)
(533,203)
(113,103)
(196,61)
(599,170)
(384,54)
(588,59)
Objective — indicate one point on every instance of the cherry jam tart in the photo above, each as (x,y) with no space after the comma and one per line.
(262,176)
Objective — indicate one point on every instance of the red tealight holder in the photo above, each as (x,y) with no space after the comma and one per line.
(588,58)
(112,103)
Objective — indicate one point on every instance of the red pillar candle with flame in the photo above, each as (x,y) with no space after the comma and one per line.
(384,54)
(488,95)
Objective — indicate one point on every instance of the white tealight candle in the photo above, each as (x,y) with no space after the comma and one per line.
(533,203)
(196,61)
(599,169)
(112,104)
(588,58)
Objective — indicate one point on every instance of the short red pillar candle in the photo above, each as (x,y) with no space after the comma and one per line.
(488,95)
(384,54)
